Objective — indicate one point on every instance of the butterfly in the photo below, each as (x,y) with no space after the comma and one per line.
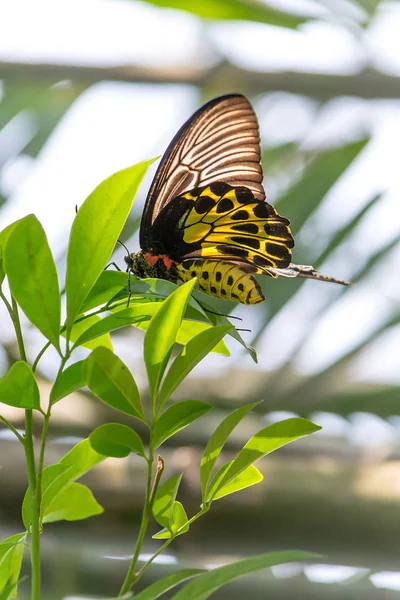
(206,214)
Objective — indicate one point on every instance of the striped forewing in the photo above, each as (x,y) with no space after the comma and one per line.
(220,142)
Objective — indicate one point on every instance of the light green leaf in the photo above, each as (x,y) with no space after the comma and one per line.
(78,461)
(161,334)
(19,388)
(117,440)
(157,589)
(264,442)
(245,479)
(217,441)
(190,329)
(203,586)
(178,521)
(4,235)
(236,10)
(79,329)
(68,381)
(133,315)
(32,276)
(164,501)
(73,503)
(110,379)
(175,418)
(95,232)
(195,350)
(11,553)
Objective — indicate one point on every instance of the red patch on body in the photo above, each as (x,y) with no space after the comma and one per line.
(152,259)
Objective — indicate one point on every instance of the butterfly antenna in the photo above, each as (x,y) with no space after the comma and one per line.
(123,245)
(218,314)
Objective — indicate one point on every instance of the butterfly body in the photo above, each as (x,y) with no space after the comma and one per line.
(206,215)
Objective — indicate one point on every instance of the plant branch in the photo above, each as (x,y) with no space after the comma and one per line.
(12,428)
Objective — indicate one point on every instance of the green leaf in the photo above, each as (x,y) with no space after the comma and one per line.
(236,10)
(32,276)
(95,231)
(73,503)
(161,334)
(78,461)
(110,379)
(221,320)
(164,501)
(190,329)
(245,479)
(79,329)
(122,318)
(108,285)
(178,521)
(157,589)
(19,388)
(264,442)
(177,417)
(195,350)
(68,381)
(117,440)
(217,441)
(203,586)
(4,235)
(11,553)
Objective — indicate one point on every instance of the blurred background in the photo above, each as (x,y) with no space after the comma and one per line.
(88,87)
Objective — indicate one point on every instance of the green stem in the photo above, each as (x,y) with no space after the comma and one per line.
(39,356)
(130,576)
(30,462)
(12,428)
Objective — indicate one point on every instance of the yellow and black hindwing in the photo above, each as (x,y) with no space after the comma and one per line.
(206,215)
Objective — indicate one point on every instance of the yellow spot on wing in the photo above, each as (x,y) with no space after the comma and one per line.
(196,232)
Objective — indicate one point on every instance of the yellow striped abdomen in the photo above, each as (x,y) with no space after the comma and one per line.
(222,279)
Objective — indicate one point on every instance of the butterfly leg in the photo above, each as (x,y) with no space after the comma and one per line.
(112,264)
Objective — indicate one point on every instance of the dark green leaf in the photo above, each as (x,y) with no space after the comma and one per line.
(236,10)
(19,388)
(95,231)
(73,503)
(217,441)
(203,586)
(176,417)
(195,350)
(264,442)
(117,440)
(110,379)
(68,381)
(162,332)
(165,584)
(108,285)
(33,277)
(164,501)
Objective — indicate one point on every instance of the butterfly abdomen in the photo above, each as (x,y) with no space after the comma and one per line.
(222,279)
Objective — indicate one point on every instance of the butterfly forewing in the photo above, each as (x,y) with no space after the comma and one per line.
(220,142)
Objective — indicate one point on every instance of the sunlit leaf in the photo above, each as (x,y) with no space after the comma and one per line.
(95,231)
(175,418)
(164,501)
(80,327)
(73,503)
(110,379)
(19,388)
(68,381)
(32,276)
(11,553)
(195,350)
(245,479)
(161,335)
(217,441)
(178,521)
